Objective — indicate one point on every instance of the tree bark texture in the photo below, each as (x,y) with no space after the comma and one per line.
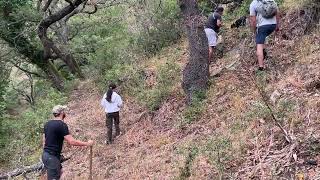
(196,72)
(48,44)
(12,36)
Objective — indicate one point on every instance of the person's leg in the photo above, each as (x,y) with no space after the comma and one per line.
(262,34)
(260,39)
(260,55)
(211,52)
(212,42)
(117,123)
(53,166)
(109,123)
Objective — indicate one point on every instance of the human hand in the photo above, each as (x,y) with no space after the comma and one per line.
(278,28)
(90,143)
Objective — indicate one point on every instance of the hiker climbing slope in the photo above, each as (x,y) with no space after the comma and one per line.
(264,19)
(112,102)
(212,29)
(55,132)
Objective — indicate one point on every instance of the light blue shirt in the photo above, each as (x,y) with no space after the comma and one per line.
(260,20)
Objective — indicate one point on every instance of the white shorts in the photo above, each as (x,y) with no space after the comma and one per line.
(212,37)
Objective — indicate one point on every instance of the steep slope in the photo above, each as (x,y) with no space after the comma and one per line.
(234,136)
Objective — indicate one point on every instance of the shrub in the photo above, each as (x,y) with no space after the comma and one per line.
(166,79)
(130,78)
(163,29)
(24,132)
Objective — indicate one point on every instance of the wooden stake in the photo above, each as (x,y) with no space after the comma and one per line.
(90,163)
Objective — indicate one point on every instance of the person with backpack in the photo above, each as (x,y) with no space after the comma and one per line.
(112,102)
(212,28)
(55,132)
(264,20)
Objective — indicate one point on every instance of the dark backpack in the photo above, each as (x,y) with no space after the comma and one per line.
(267,8)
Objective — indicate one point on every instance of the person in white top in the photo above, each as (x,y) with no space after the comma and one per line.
(112,103)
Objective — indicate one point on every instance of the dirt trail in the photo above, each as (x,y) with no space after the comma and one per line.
(144,150)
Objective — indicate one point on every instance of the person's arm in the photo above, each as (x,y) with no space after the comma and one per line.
(253,18)
(70,140)
(278,20)
(102,103)
(253,23)
(43,140)
(120,102)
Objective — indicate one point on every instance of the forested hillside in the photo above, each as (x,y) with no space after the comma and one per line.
(183,118)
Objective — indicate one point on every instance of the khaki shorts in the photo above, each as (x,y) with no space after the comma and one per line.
(212,37)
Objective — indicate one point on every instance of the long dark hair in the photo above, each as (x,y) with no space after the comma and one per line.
(112,86)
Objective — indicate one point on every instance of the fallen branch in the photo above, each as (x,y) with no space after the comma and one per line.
(262,93)
(28,169)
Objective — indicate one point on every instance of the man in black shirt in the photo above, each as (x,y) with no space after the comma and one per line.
(55,132)
(212,29)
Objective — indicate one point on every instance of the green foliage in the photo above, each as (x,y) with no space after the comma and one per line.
(166,78)
(23,133)
(243,10)
(258,110)
(205,6)
(103,44)
(163,29)
(284,108)
(218,150)
(14,3)
(191,153)
(128,76)
(3,91)
(195,109)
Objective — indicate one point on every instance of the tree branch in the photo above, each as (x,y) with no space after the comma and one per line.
(26,71)
(46,6)
(25,170)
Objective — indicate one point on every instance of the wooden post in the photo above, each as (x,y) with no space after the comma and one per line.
(90,163)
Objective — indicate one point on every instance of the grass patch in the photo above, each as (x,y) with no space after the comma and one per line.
(219,152)
(166,79)
(191,153)
(195,109)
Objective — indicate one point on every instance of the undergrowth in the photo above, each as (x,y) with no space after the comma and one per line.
(166,78)
(191,153)
(24,132)
(194,110)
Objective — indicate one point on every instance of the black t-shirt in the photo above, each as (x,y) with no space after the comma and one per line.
(212,21)
(54,131)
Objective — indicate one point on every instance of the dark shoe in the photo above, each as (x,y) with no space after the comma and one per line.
(261,69)
(108,142)
(118,133)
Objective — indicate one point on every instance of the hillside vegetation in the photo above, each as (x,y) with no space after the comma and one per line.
(247,125)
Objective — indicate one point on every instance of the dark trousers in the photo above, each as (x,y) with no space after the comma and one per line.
(53,166)
(112,118)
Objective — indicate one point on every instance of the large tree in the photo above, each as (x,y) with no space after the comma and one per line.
(13,31)
(196,72)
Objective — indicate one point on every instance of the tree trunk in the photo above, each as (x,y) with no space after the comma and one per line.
(68,58)
(196,72)
(12,35)
(62,32)
(54,75)
(48,43)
